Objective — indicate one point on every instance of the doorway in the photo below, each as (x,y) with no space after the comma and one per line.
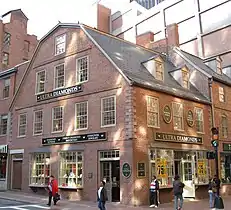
(17,174)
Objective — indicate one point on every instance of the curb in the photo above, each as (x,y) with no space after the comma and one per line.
(17,200)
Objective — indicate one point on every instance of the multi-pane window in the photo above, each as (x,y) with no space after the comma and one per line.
(40,81)
(6,40)
(81,110)
(185,78)
(71,169)
(199,122)
(3,124)
(57,119)
(40,169)
(38,122)
(22,123)
(5,58)
(178,116)
(82,69)
(152,111)
(59,76)
(159,70)
(108,111)
(219,65)
(224,126)
(6,89)
(60,44)
(221,94)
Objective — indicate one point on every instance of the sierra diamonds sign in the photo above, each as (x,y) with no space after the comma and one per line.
(59,93)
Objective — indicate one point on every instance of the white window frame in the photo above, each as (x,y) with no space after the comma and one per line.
(65,39)
(173,115)
(221,93)
(161,72)
(19,117)
(158,111)
(196,119)
(82,102)
(6,88)
(59,131)
(77,69)
(64,83)
(36,85)
(101,110)
(185,71)
(41,132)
(222,126)
(3,117)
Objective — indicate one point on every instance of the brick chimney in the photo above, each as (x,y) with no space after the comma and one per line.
(145,39)
(103,18)
(172,35)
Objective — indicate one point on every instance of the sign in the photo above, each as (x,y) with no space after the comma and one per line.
(178,138)
(190,119)
(126,170)
(141,171)
(3,149)
(201,168)
(162,168)
(74,139)
(59,93)
(167,114)
(226,147)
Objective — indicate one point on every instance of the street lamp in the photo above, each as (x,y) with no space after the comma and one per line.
(218,202)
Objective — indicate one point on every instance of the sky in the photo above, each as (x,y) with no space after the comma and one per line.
(44,15)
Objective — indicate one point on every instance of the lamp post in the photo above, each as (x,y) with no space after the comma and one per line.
(218,202)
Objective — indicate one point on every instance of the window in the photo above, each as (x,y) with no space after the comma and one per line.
(40,169)
(226,167)
(219,65)
(199,120)
(38,122)
(224,126)
(221,94)
(59,76)
(108,111)
(3,162)
(82,69)
(26,46)
(22,123)
(40,81)
(81,113)
(178,116)
(185,78)
(159,70)
(3,124)
(6,40)
(60,44)
(57,119)
(5,59)
(152,111)
(71,169)
(6,90)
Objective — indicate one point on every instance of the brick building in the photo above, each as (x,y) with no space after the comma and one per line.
(92,106)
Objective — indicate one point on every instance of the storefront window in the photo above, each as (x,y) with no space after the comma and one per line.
(3,159)
(202,172)
(71,169)
(226,168)
(40,169)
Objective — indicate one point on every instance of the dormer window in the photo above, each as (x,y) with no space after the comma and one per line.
(159,70)
(185,78)
(219,65)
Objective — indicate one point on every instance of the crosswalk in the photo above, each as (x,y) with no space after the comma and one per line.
(25,207)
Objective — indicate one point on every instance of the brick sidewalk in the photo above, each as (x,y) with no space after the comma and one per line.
(33,198)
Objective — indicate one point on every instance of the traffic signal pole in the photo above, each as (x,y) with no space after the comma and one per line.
(217,168)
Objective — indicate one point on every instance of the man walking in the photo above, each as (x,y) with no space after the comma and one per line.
(53,190)
(178,191)
(102,196)
(154,187)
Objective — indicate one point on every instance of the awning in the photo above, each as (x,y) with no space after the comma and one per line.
(4,149)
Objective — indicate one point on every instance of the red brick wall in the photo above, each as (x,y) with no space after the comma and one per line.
(103,18)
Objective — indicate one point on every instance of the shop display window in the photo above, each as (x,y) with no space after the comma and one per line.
(3,160)
(226,168)
(202,168)
(40,169)
(71,169)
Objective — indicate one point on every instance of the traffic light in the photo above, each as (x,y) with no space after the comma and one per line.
(214,143)
(210,155)
(215,133)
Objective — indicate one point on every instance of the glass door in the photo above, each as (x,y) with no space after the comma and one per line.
(188,173)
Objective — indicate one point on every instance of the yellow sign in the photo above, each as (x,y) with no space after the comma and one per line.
(201,168)
(162,168)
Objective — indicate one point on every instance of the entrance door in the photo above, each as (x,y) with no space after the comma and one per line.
(17,174)
(110,173)
(188,179)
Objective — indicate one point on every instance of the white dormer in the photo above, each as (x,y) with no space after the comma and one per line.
(185,77)
(156,67)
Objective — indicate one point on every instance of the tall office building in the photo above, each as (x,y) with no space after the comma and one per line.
(148,3)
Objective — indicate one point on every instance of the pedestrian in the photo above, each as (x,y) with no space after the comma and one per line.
(216,186)
(53,190)
(211,193)
(178,187)
(154,188)
(102,196)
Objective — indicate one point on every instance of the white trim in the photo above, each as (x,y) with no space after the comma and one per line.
(21,136)
(53,119)
(37,93)
(176,129)
(78,129)
(65,37)
(37,134)
(16,151)
(54,88)
(203,127)
(101,111)
(155,98)
(77,69)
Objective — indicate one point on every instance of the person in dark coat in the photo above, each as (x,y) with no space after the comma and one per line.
(178,187)
(210,191)
(102,196)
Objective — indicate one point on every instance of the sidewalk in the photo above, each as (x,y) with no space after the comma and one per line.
(65,204)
